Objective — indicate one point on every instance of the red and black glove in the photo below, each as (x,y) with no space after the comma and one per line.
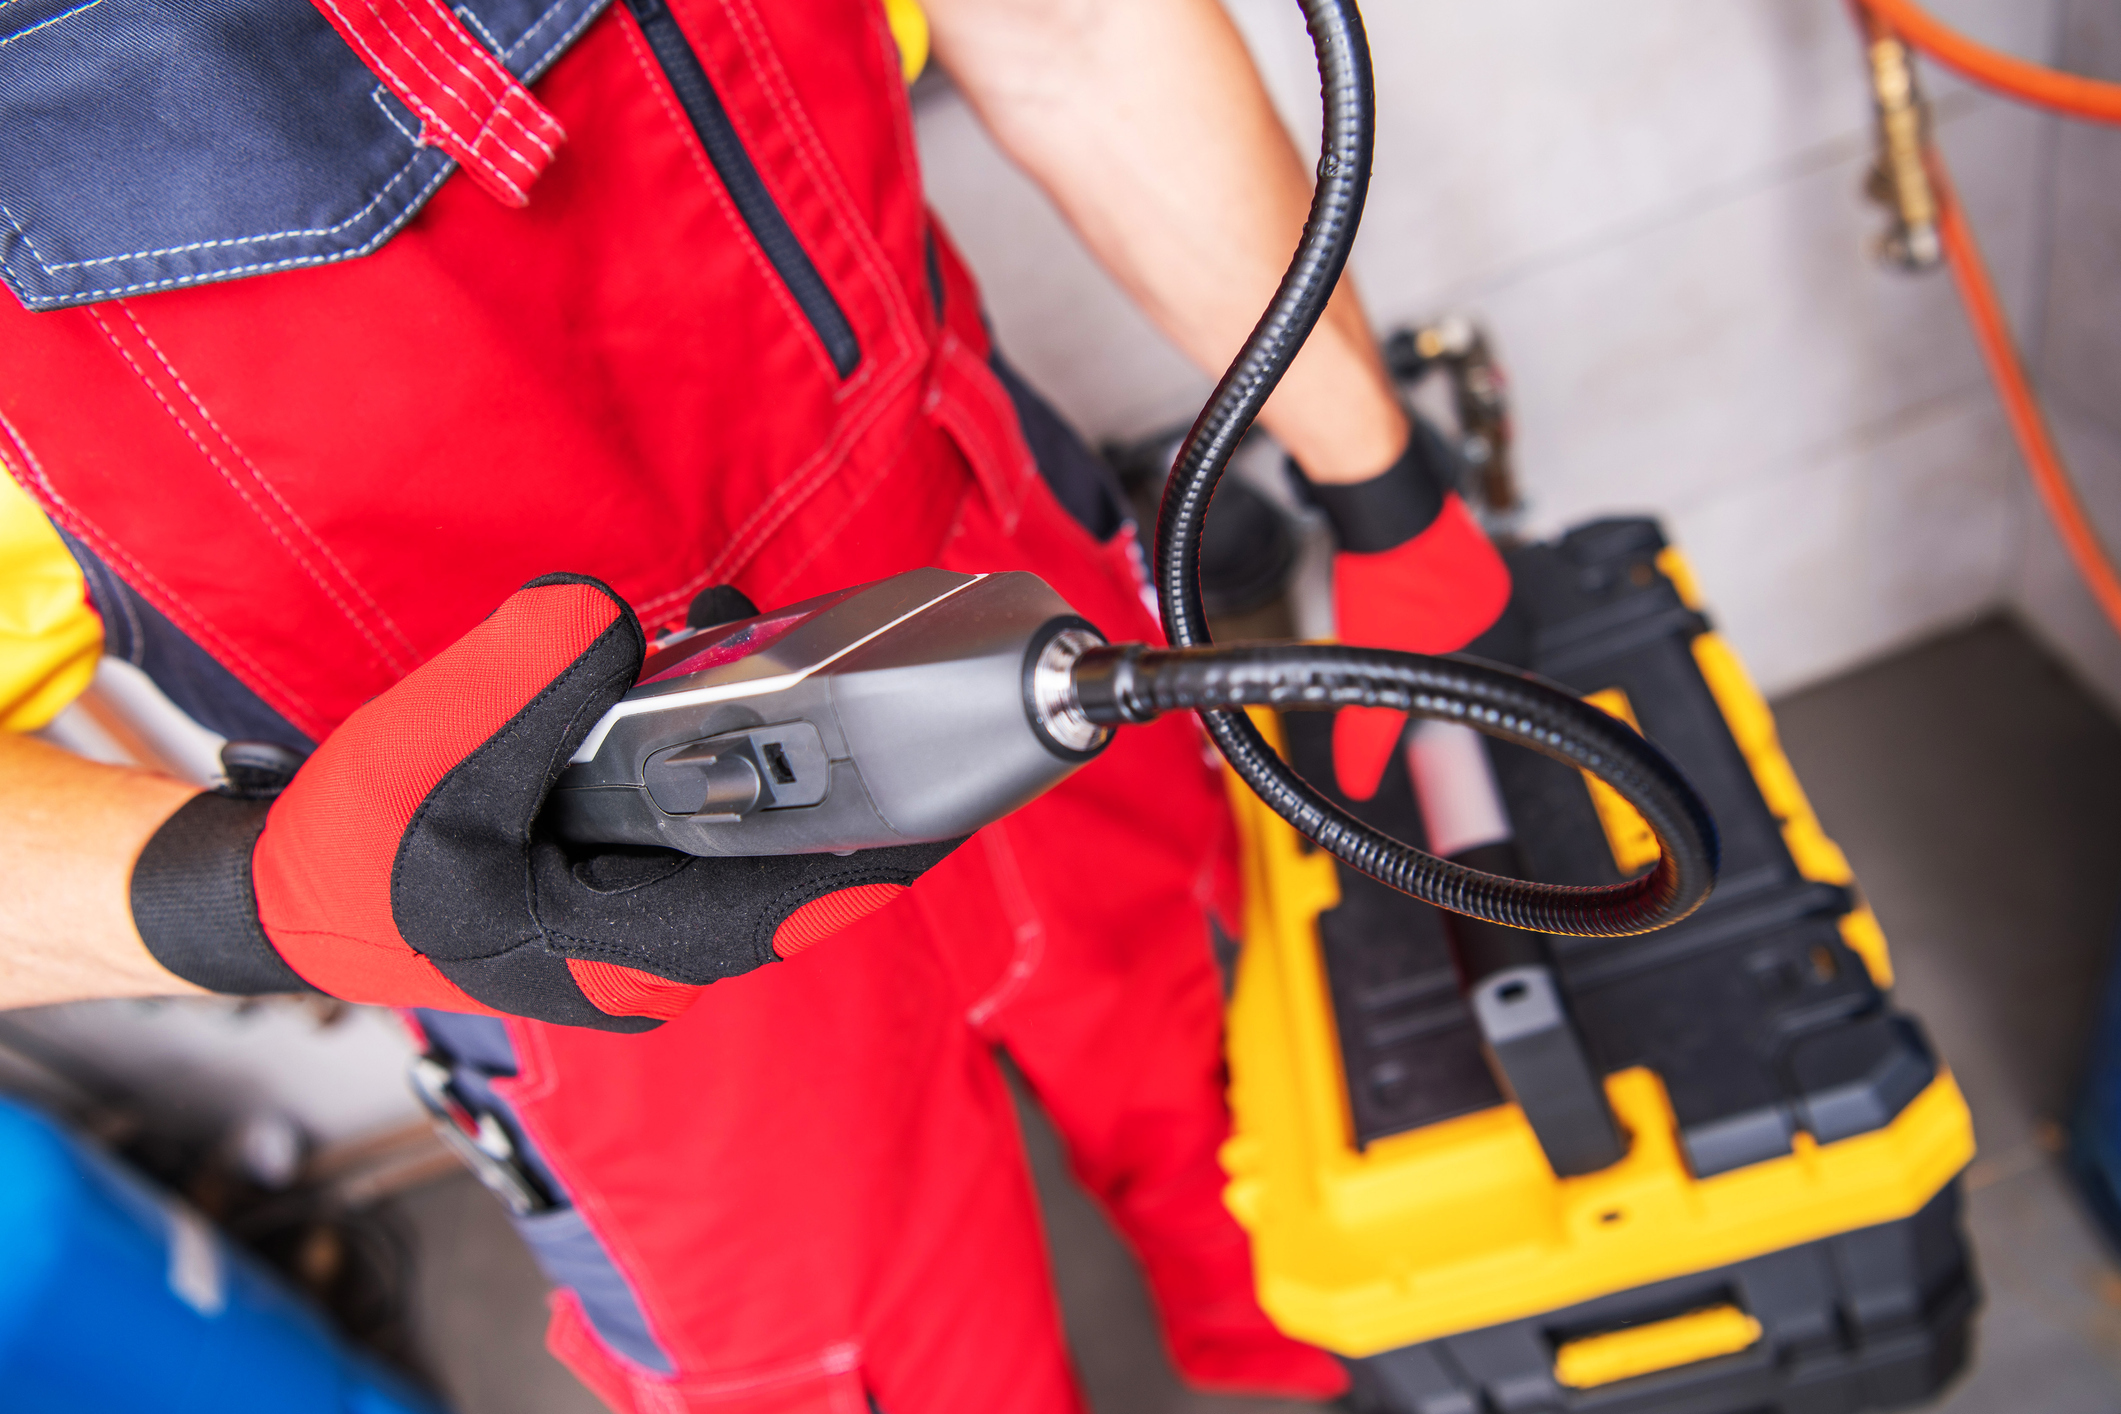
(1414,573)
(404,863)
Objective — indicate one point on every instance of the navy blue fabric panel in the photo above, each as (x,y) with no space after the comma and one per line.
(188,675)
(572,1257)
(480,1052)
(150,144)
(481,1041)
(528,35)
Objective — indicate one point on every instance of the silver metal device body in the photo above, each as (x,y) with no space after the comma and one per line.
(917,708)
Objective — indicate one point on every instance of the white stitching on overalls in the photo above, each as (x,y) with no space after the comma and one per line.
(449,165)
(237,486)
(712,180)
(376,96)
(559,42)
(565,37)
(111,549)
(47,24)
(420,106)
(789,496)
(839,203)
(496,106)
(382,192)
(257,474)
(472,22)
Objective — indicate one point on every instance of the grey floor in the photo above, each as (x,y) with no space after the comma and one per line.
(1978,791)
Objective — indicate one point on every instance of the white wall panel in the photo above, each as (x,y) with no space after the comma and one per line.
(2045,589)
(2079,363)
(1655,208)
(1885,540)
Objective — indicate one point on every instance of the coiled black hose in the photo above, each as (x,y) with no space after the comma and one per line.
(1128,684)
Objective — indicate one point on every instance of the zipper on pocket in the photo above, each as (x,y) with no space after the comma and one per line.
(696,95)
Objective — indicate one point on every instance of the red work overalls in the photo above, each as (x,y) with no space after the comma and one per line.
(323,470)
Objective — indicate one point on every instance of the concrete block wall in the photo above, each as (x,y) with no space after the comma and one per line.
(1655,209)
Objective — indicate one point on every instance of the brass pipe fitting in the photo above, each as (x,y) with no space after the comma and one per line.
(1900,179)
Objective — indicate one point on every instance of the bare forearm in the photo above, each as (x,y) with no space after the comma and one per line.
(70,831)
(1147,124)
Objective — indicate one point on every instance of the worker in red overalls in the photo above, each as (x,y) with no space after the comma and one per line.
(394,371)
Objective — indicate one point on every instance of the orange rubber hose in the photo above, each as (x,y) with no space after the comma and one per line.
(1992,332)
(2035,83)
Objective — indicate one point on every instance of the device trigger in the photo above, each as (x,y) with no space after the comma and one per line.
(705,782)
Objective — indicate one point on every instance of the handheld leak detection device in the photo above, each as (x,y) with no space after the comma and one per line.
(917,708)
(926,705)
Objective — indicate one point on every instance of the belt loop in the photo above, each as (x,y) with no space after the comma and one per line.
(469,106)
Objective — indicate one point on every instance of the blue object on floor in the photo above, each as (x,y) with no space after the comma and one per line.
(116,1297)
(2095,1130)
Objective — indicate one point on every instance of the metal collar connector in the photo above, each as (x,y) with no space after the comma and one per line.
(1105,687)
(1055,706)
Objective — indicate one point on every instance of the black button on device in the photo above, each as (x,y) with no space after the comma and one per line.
(703,780)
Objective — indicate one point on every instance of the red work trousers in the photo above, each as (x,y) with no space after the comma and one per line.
(813,1179)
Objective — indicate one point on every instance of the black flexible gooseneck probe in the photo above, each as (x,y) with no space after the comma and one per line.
(1130,683)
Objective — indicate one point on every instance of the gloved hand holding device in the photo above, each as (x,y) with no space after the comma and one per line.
(405,863)
(1414,573)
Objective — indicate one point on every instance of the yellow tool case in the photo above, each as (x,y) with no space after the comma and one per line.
(1781,1232)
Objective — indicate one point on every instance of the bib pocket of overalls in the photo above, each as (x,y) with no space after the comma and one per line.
(154,144)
